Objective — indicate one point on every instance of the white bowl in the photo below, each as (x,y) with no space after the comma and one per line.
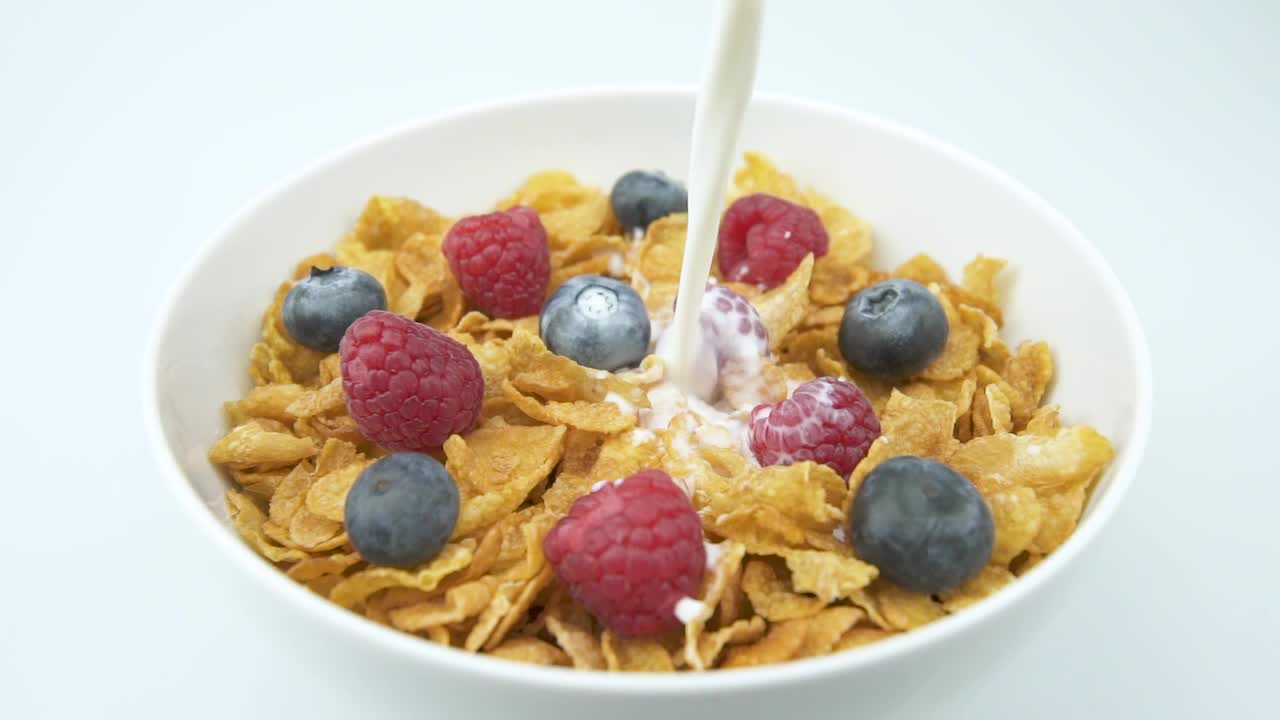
(917,193)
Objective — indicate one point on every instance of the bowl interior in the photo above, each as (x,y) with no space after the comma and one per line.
(918,196)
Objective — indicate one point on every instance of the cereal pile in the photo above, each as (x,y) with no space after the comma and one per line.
(781,580)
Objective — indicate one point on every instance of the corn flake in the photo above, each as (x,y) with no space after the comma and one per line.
(731,555)
(770,596)
(980,278)
(1017,513)
(253,444)
(1025,562)
(1044,421)
(837,275)
(578,643)
(1029,371)
(388,221)
(266,401)
(966,329)
(458,604)
(828,575)
(827,628)
(776,505)
(903,609)
(570,212)
(327,496)
(1061,513)
(487,622)
(355,588)
(530,650)
(782,642)
(519,606)
(759,175)
(860,636)
(923,269)
(312,532)
(248,522)
(909,427)
(712,644)
(290,494)
(319,566)
(783,307)
(1072,457)
(987,581)
(634,654)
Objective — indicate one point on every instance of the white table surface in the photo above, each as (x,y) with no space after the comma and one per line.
(131,130)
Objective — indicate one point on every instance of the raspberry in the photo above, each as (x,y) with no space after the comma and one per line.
(629,551)
(408,386)
(764,238)
(501,261)
(732,325)
(826,420)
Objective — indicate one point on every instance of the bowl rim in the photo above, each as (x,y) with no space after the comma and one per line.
(414,649)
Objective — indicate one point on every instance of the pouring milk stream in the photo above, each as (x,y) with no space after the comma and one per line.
(717,119)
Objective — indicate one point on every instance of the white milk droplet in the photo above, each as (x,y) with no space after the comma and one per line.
(714,553)
(621,403)
(640,436)
(688,609)
(617,264)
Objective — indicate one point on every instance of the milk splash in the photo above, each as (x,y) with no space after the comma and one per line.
(717,119)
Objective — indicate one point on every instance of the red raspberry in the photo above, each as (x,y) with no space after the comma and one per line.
(501,261)
(408,386)
(764,238)
(826,420)
(629,551)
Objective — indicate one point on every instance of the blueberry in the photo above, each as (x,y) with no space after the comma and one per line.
(597,322)
(401,510)
(640,197)
(923,524)
(893,329)
(320,307)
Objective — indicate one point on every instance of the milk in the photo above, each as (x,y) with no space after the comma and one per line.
(717,119)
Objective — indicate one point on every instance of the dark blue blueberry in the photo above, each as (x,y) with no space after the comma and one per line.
(893,329)
(401,510)
(923,524)
(321,306)
(596,321)
(640,197)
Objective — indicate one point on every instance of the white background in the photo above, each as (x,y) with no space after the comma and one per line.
(131,130)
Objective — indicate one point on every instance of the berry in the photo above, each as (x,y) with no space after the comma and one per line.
(597,322)
(401,510)
(924,525)
(501,261)
(640,197)
(320,307)
(826,420)
(731,324)
(629,551)
(408,386)
(893,329)
(764,238)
